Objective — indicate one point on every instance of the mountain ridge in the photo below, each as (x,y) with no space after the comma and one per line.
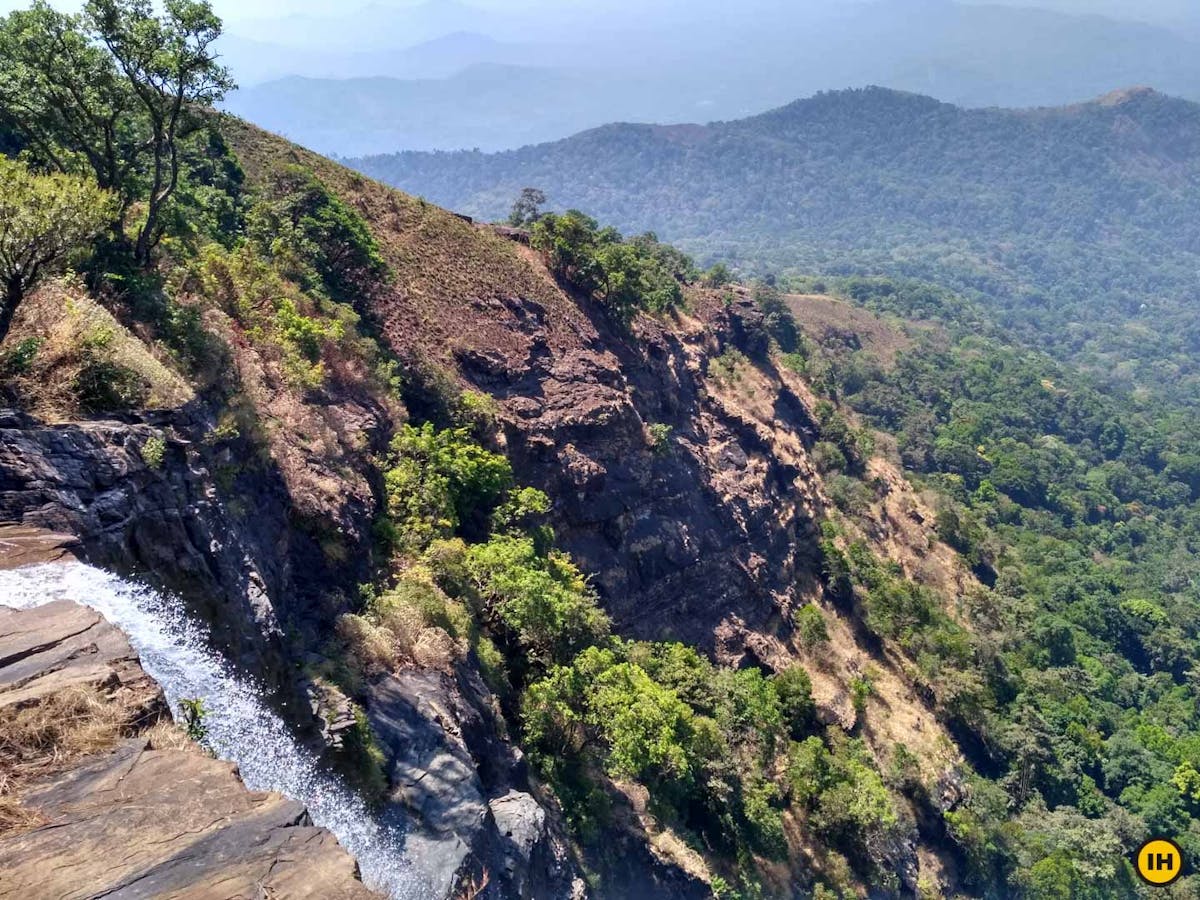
(1089,208)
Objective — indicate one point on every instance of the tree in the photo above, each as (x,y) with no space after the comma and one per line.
(320,233)
(65,98)
(528,207)
(43,220)
(113,90)
(171,67)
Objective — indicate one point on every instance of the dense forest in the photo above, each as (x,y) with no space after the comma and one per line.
(1077,225)
(1077,506)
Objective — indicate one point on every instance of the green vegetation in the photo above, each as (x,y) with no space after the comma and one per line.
(1068,679)
(527,208)
(154,451)
(316,240)
(480,578)
(194,713)
(113,92)
(1074,688)
(1077,226)
(625,275)
(44,220)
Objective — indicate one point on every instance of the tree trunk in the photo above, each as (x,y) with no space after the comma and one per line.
(14,291)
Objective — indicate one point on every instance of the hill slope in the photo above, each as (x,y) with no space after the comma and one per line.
(1081,223)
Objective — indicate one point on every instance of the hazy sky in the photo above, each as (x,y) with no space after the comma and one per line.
(234,10)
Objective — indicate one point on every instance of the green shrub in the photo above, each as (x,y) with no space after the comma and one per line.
(660,437)
(625,275)
(439,478)
(19,360)
(717,276)
(810,627)
(860,690)
(543,599)
(315,237)
(154,452)
(104,385)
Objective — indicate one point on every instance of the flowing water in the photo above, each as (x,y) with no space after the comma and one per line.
(240,726)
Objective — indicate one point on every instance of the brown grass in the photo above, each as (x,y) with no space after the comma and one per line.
(829,319)
(64,317)
(451,279)
(47,737)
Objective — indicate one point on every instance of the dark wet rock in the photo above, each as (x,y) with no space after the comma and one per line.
(462,784)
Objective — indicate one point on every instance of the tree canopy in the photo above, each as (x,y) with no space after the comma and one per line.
(43,220)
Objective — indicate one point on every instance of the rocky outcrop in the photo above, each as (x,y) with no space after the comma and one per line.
(154,515)
(691,527)
(135,819)
(141,822)
(468,790)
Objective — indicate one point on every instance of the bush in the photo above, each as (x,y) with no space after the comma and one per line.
(625,275)
(810,627)
(317,239)
(438,480)
(794,689)
(717,276)
(103,384)
(660,437)
(542,599)
(153,452)
(828,457)
(19,360)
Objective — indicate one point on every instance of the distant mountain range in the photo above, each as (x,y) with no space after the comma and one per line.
(471,78)
(1092,209)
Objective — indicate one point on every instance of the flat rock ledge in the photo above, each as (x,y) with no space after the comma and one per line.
(137,820)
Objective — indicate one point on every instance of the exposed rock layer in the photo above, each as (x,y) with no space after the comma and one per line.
(137,820)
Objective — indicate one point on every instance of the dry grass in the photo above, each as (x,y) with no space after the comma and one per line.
(828,319)
(43,738)
(168,735)
(371,647)
(435,649)
(66,319)
(451,279)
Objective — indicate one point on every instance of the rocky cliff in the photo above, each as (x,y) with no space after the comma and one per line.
(675,452)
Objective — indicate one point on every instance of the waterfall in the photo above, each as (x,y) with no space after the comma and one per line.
(241,728)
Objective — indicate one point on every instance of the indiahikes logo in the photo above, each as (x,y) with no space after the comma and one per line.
(1159,861)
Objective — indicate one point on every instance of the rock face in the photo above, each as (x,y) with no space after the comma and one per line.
(91,480)
(703,533)
(136,820)
(54,648)
(446,763)
(145,823)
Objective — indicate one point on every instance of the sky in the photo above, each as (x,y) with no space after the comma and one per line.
(232,11)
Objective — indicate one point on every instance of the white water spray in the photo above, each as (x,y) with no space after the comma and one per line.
(240,727)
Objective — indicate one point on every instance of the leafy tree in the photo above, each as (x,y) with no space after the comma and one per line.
(438,479)
(777,318)
(114,89)
(793,687)
(527,208)
(43,220)
(63,94)
(625,275)
(172,68)
(314,234)
(543,599)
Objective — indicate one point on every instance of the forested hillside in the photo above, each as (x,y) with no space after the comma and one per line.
(1080,226)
